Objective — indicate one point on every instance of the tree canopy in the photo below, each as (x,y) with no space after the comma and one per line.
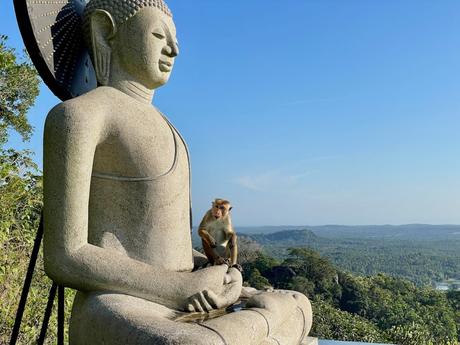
(19,87)
(20,198)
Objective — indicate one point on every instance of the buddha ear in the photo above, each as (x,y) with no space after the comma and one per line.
(102,28)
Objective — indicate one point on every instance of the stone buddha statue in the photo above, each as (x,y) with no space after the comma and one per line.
(117,204)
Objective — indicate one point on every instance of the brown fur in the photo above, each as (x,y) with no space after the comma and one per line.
(217,235)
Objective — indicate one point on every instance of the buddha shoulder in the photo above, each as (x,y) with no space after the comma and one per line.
(87,112)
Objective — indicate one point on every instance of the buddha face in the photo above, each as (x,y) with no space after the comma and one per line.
(144,48)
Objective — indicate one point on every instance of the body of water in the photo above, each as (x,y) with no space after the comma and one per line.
(451,284)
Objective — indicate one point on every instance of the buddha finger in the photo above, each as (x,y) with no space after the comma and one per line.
(227,279)
(190,308)
(197,306)
(204,302)
(235,275)
(232,292)
(215,300)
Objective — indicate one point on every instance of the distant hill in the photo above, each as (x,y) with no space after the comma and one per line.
(425,254)
(303,235)
(410,232)
(288,238)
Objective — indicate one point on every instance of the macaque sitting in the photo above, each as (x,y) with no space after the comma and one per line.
(217,235)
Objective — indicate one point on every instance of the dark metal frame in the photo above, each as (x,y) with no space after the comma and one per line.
(51,298)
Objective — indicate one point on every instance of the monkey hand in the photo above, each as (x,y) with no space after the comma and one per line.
(238,267)
(225,295)
(222,261)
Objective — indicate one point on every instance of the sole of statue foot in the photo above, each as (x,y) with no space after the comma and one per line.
(310,341)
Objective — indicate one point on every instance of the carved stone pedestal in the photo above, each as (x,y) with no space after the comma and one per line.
(310,341)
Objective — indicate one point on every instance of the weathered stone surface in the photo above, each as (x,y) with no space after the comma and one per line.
(310,341)
(117,209)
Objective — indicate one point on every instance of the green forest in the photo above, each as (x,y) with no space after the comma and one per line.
(351,298)
(423,261)
(377,308)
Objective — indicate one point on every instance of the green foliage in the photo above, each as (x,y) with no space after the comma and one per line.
(390,303)
(313,271)
(424,263)
(20,205)
(20,208)
(262,263)
(416,334)
(303,285)
(332,323)
(20,196)
(454,300)
(377,308)
(256,280)
(18,90)
(253,270)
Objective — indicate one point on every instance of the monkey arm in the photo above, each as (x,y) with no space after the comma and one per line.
(203,233)
(206,237)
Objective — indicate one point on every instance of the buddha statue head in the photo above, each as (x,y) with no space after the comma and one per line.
(131,40)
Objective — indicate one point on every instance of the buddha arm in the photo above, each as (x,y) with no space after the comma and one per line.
(71,137)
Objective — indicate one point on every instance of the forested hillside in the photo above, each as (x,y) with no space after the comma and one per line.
(376,308)
(421,259)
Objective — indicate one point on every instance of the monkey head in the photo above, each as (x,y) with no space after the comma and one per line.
(220,209)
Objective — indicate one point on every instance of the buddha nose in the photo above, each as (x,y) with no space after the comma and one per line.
(174,49)
(171,50)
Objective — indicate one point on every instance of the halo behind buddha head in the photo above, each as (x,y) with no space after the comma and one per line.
(53,32)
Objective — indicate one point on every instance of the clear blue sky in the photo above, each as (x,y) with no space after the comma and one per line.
(314,111)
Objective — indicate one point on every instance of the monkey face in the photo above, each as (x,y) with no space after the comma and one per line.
(220,209)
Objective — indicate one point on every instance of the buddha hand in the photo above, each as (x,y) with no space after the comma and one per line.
(210,297)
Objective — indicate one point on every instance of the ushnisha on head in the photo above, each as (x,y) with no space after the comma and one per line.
(131,40)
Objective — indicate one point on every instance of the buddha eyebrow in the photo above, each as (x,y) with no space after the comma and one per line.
(166,29)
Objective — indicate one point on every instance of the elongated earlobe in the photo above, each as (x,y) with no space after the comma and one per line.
(102,30)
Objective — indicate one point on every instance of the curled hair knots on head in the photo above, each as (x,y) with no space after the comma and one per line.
(121,10)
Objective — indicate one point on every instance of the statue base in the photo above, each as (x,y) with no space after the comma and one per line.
(310,341)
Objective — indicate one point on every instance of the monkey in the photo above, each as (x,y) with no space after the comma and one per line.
(217,235)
